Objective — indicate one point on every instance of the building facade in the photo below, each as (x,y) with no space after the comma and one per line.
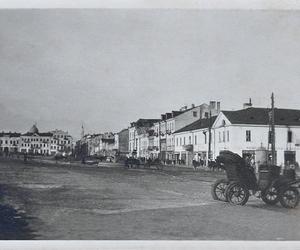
(9,142)
(245,132)
(35,142)
(139,132)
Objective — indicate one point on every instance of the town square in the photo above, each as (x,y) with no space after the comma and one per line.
(149,124)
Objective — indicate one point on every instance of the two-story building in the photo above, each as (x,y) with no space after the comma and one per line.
(245,132)
(192,141)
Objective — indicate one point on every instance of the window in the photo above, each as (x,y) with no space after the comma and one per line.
(206,114)
(195,113)
(248,135)
(227,135)
(180,141)
(223,136)
(219,136)
(195,139)
(205,139)
(190,140)
(183,140)
(289,136)
(176,141)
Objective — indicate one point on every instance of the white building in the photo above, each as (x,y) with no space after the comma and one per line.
(179,119)
(191,141)
(139,132)
(36,142)
(9,142)
(244,132)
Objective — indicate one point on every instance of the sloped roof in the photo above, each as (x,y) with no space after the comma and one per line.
(199,124)
(260,116)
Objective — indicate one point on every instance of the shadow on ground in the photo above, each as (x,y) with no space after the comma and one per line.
(13,223)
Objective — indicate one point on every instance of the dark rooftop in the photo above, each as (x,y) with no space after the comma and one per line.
(261,116)
(9,134)
(199,124)
(40,134)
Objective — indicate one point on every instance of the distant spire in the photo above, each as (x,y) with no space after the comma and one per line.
(82,131)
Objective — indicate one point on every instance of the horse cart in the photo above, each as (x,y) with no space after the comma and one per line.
(149,163)
(156,163)
(241,181)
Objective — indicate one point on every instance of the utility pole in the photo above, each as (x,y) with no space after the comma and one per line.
(273,161)
(209,136)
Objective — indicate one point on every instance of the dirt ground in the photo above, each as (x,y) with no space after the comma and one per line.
(65,202)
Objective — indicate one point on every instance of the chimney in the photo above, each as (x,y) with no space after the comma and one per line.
(247,105)
(193,105)
(218,107)
(212,104)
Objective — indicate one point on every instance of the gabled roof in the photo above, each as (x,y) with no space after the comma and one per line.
(199,124)
(260,116)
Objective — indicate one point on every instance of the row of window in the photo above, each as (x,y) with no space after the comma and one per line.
(10,142)
(223,138)
(182,141)
(289,136)
(35,139)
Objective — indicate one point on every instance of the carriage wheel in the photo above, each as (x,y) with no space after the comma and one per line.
(289,197)
(270,195)
(237,194)
(218,190)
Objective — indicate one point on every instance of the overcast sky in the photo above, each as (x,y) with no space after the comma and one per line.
(107,68)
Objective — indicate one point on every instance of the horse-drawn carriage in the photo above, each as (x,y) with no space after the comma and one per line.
(132,162)
(241,179)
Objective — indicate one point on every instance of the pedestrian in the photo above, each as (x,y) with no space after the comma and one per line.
(25,157)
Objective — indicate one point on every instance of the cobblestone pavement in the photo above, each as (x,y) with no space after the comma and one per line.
(111,202)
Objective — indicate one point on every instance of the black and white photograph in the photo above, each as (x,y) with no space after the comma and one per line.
(166,123)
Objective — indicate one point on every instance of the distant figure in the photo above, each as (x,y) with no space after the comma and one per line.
(25,157)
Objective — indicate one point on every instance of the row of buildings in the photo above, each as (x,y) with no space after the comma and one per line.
(35,142)
(195,133)
(102,144)
(202,132)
